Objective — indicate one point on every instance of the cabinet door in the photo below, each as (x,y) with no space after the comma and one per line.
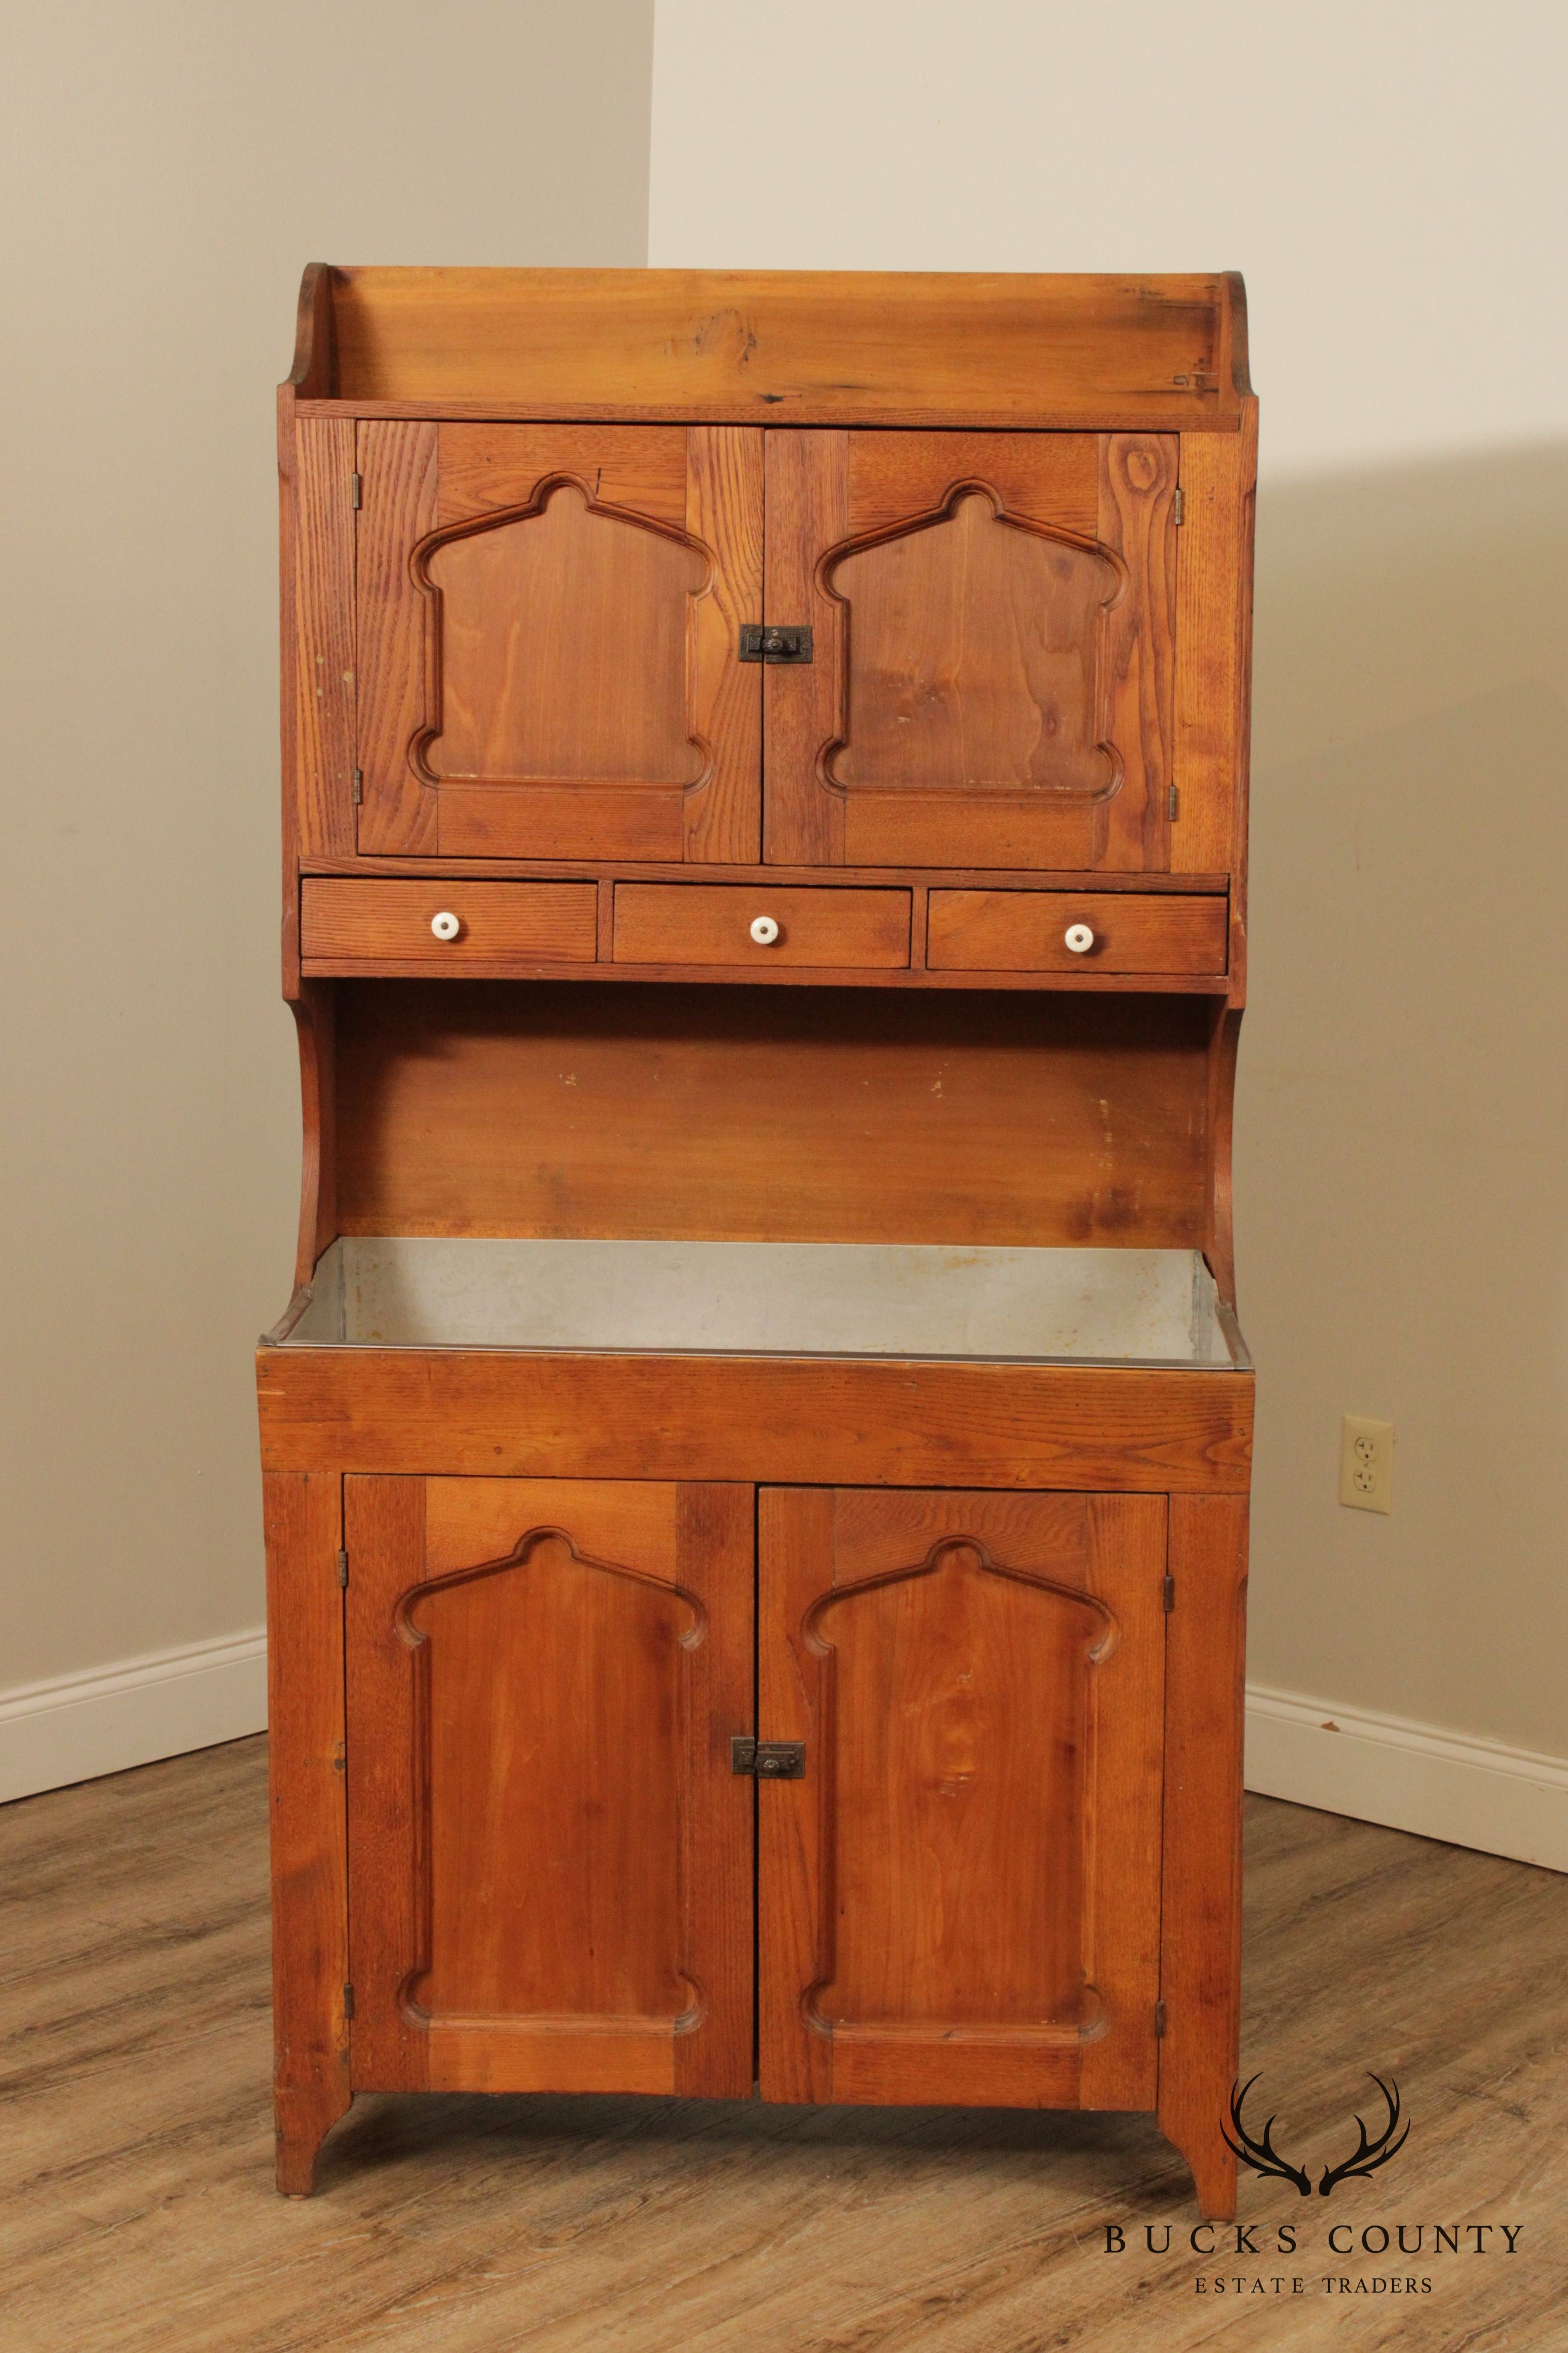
(992,618)
(959,1900)
(548,620)
(550,1860)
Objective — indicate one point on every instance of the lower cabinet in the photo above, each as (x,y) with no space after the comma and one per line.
(566,1873)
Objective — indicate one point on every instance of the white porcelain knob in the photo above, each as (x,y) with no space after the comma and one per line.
(1078,938)
(445,925)
(764,931)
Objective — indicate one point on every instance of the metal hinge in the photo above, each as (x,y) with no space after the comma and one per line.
(762,642)
(1170,1592)
(348,2002)
(356,490)
(359,789)
(1173,802)
(1159,2020)
(1178,505)
(770,1760)
(342,1568)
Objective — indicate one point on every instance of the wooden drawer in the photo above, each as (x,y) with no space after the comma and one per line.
(704,922)
(1027,931)
(347,921)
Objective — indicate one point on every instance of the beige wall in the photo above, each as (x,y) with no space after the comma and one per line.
(1388,180)
(172,168)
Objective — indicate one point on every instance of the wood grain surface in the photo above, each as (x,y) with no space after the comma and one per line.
(303,1522)
(1213,645)
(959,1900)
(990,681)
(548,620)
(776,1114)
(676,923)
(865,346)
(344,922)
(1205,1664)
(320,647)
(398,470)
(850,1421)
(1026,931)
(136,2184)
(550,1857)
(562,635)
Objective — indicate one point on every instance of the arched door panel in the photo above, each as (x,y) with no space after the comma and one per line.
(549,1883)
(994,622)
(548,624)
(960,1897)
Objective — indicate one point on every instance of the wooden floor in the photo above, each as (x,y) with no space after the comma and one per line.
(137,2212)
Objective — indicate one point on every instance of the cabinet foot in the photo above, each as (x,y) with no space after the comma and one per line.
(1213,2164)
(303,2120)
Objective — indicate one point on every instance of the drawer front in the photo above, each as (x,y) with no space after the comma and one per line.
(1044,931)
(706,923)
(433,923)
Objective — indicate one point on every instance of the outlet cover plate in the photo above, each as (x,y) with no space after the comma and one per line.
(1366,1464)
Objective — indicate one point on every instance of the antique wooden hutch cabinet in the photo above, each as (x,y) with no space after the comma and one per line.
(756,1459)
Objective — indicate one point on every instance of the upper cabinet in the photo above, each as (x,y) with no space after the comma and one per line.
(549,622)
(993,620)
(736,569)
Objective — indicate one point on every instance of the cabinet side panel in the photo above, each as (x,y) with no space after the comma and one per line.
(1201,1932)
(397,463)
(315,1025)
(323,650)
(308,1828)
(724,512)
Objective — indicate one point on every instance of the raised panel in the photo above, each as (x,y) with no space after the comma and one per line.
(543,1844)
(542,620)
(550,617)
(960,1899)
(994,616)
(974,658)
(956,1713)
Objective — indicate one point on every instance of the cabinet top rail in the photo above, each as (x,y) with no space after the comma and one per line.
(779,347)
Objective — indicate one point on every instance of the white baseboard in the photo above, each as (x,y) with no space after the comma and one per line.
(78,1726)
(1408,1777)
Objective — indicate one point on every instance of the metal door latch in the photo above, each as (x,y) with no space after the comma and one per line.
(770,1760)
(762,642)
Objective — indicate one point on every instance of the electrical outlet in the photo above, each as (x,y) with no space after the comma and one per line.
(1366,1464)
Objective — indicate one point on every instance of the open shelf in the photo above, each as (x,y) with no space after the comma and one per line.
(1136,1307)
